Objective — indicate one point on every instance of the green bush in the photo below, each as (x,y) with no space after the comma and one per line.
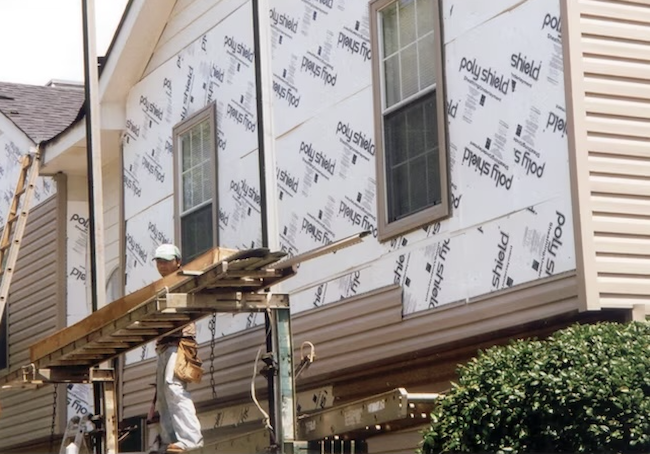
(584,389)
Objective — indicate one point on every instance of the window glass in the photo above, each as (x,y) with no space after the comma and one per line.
(196,232)
(408,148)
(195,183)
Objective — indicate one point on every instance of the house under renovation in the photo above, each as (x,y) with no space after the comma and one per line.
(490,157)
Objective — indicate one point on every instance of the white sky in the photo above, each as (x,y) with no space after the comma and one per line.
(41,40)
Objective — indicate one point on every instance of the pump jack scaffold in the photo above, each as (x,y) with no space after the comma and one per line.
(220,280)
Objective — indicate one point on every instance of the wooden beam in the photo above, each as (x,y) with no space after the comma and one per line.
(121,306)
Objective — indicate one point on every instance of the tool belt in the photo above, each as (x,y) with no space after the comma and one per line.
(188,367)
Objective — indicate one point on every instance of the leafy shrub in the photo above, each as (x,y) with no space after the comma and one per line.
(585,389)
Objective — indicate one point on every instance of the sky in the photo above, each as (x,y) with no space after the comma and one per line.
(42,40)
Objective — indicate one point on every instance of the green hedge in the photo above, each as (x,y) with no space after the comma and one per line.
(584,389)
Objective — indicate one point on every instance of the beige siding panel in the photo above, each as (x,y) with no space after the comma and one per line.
(620,107)
(619,126)
(616,10)
(625,205)
(628,69)
(620,165)
(623,265)
(615,49)
(620,225)
(32,310)
(606,86)
(620,185)
(362,330)
(625,285)
(112,196)
(624,245)
(633,147)
(619,30)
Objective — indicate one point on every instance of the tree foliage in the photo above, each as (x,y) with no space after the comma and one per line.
(584,389)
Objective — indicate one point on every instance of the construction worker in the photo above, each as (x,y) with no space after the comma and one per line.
(180,429)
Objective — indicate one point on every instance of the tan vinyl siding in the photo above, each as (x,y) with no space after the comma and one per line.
(353,333)
(32,311)
(112,196)
(610,49)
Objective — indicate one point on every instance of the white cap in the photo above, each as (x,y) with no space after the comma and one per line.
(167,252)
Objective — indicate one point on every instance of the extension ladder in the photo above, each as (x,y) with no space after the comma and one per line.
(14,227)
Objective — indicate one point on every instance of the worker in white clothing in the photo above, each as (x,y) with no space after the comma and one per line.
(180,429)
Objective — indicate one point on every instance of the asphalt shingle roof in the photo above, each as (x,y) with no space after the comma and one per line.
(41,112)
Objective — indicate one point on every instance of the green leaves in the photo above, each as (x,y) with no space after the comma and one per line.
(585,389)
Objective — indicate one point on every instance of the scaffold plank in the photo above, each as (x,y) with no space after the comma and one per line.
(221,280)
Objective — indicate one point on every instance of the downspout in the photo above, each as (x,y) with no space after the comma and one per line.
(94,172)
(266,160)
(265,130)
(93,159)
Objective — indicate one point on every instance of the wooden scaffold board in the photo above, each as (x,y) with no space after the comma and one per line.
(221,280)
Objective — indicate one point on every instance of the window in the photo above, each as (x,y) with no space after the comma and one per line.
(409,115)
(195,186)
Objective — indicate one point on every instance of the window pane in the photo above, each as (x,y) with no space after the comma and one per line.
(196,232)
(409,62)
(407,33)
(389,30)
(188,201)
(418,182)
(426,60)
(425,17)
(433,175)
(197,185)
(185,151)
(398,201)
(206,183)
(431,121)
(396,139)
(205,141)
(415,130)
(391,80)
(197,166)
(411,157)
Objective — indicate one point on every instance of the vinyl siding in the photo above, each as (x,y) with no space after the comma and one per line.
(356,335)
(610,49)
(112,195)
(32,311)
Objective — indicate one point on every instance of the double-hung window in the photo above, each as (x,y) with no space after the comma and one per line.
(409,115)
(195,187)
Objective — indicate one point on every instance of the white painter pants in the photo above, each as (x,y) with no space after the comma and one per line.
(178,421)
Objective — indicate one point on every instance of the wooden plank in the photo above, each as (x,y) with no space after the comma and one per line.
(147,318)
(121,306)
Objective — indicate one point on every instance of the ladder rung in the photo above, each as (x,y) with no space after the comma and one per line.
(12,219)
(20,192)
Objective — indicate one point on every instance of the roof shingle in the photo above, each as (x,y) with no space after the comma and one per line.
(41,112)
